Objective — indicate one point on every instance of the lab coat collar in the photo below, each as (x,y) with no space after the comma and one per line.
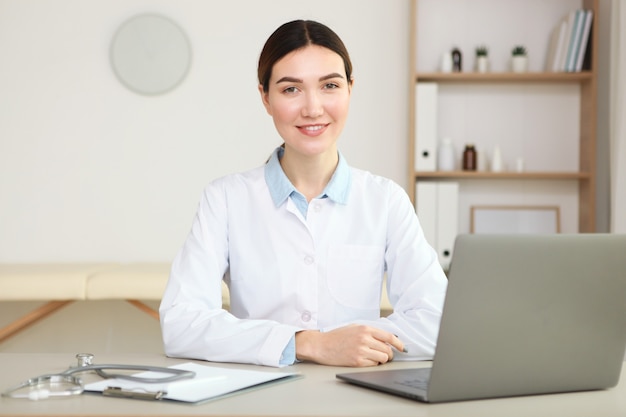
(337,189)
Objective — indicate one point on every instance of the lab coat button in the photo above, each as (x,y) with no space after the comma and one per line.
(317,207)
(306,316)
(308,260)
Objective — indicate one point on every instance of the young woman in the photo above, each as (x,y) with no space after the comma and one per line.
(304,241)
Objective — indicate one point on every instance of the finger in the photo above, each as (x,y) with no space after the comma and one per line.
(368,362)
(381,351)
(390,339)
(380,357)
(399,345)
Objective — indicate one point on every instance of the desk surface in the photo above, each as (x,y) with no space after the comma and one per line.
(318,393)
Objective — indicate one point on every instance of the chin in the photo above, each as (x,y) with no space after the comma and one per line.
(315,149)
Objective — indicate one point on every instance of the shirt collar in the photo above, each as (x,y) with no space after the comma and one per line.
(337,189)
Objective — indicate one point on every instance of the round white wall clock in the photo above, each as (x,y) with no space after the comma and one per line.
(150,54)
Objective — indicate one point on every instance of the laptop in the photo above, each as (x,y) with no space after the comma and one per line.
(523,315)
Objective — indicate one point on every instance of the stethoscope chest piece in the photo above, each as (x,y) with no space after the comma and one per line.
(46,386)
(84,359)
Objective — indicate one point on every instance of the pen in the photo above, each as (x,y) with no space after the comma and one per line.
(403,347)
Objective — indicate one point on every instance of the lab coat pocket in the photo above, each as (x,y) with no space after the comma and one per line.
(355,275)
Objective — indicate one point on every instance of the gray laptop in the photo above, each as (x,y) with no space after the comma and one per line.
(524,314)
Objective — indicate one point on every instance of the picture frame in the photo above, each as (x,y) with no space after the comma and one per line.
(515,219)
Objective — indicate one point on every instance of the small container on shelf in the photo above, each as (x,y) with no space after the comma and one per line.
(457,60)
(482,59)
(446,62)
(469,158)
(519,59)
(496,160)
(446,159)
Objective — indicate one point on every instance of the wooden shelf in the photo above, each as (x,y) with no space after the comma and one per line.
(476,175)
(504,77)
(584,174)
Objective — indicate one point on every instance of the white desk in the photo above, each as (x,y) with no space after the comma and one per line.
(318,393)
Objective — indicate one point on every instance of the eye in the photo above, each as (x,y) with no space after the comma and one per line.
(290,90)
(331,86)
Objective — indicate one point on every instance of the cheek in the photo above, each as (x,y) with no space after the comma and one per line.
(285,110)
(338,108)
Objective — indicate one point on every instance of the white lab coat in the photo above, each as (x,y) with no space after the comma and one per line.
(287,273)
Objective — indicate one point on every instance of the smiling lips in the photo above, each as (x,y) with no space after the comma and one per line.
(313,130)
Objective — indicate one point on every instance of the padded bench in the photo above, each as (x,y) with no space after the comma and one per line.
(60,284)
(130,282)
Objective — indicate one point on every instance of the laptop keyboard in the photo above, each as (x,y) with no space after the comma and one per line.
(419,379)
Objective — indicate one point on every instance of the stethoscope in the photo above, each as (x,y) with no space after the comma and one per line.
(67,383)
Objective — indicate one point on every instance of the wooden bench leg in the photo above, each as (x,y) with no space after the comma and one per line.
(31,318)
(145,308)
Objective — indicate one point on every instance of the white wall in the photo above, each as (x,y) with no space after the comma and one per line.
(90,171)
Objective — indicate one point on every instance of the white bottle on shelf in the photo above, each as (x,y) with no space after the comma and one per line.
(446,159)
(446,62)
(496,160)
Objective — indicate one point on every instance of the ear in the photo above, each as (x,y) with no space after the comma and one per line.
(351,84)
(265,99)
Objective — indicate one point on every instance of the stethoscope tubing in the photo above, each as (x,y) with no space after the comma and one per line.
(175,374)
(76,385)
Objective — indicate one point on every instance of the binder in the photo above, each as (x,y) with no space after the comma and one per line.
(426,206)
(437,206)
(447,220)
(426,127)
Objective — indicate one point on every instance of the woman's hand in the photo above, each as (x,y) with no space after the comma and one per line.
(355,345)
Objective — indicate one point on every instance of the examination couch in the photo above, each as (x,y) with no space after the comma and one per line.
(62,283)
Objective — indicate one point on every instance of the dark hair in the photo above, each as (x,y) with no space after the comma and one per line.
(296,35)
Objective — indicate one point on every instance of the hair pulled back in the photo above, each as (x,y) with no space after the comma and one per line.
(295,35)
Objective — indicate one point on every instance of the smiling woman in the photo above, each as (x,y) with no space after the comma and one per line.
(309,111)
(305,80)
(305,241)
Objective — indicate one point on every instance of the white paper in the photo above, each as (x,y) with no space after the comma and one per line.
(210,382)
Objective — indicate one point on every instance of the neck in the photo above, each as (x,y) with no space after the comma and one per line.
(309,174)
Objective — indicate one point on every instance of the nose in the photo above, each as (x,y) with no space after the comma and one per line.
(313,106)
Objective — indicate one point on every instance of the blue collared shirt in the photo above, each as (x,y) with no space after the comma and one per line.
(337,189)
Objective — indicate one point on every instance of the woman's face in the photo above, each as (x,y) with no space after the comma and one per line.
(308,98)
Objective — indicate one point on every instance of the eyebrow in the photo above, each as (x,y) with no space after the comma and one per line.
(298,80)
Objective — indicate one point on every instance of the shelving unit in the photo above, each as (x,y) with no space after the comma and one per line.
(583,178)
(505,77)
(502,175)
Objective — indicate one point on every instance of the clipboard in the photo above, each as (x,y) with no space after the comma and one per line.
(210,383)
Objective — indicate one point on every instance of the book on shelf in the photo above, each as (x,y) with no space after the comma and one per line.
(557,47)
(570,21)
(569,42)
(586,30)
(574,41)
